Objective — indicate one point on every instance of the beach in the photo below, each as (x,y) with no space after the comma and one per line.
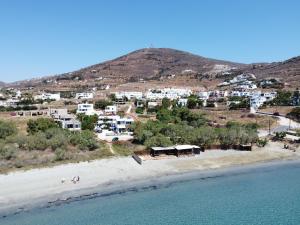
(21,188)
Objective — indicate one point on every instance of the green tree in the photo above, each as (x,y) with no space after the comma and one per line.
(101,104)
(158,141)
(87,122)
(166,103)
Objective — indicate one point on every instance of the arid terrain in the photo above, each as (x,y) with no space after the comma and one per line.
(162,66)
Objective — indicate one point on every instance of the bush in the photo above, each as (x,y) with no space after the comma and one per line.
(60,154)
(20,139)
(57,141)
(139,110)
(8,152)
(40,124)
(101,104)
(262,142)
(158,141)
(7,129)
(85,140)
(37,141)
(280,135)
(88,122)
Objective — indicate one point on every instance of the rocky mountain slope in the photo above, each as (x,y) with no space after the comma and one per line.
(154,63)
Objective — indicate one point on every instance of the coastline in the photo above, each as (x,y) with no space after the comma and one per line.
(118,181)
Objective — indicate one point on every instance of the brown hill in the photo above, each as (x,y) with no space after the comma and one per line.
(154,63)
(288,71)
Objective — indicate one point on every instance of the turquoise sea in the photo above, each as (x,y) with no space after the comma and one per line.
(268,195)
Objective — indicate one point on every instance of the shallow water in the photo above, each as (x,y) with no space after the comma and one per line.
(262,196)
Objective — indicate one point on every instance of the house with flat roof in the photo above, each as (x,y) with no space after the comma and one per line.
(111,109)
(84,95)
(85,108)
(114,123)
(177,150)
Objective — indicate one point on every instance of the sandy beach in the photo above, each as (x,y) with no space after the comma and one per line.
(20,188)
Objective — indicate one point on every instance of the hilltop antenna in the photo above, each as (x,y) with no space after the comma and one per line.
(151,46)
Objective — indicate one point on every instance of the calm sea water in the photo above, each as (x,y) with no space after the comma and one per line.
(265,196)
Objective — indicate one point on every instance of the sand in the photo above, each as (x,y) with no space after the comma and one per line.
(19,188)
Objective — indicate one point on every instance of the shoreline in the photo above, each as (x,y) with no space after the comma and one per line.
(117,187)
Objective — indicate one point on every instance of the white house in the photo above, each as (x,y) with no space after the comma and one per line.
(48,96)
(84,95)
(203,95)
(182,102)
(69,122)
(129,94)
(110,109)
(113,123)
(170,93)
(87,109)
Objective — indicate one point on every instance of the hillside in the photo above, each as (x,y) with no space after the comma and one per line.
(288,71)
(157,63)
(154,62)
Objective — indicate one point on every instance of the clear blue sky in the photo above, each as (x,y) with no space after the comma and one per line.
(40,38)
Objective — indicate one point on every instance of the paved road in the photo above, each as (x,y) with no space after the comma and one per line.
(284,123)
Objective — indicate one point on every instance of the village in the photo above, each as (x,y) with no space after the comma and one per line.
(114,117)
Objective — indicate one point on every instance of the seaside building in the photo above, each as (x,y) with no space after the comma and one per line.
(176,150)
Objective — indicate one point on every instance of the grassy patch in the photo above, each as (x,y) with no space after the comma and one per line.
(126,148)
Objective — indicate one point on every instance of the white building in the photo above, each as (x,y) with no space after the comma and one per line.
(48,96)
(110,109)
(87,109)
(18,94)
(258,99)
(129,94)
(203,95)
(113,123)
(84,95)
(170,93)
(182,102)
(69,122)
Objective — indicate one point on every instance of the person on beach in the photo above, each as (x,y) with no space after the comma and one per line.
(74,180)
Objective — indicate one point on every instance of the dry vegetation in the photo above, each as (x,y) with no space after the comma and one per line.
(222,116)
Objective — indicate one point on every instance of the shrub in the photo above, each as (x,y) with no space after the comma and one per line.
(158,140)
(280,135)
(85,140)
(88,122)
(20,139)
(8,152)
(139,110)
(7,129)
(101,104)
(262,142)
(37,141)
(40,124)
(60,154)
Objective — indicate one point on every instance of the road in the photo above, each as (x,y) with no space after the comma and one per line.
(284,124)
